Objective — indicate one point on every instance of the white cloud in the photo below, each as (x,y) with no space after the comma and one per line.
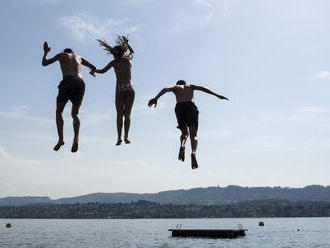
(140,106)
(14,171)
(98,117)
(20,113)
(203,13)
(323,75)
(215,134)
(268,143)
(313,109)
(215,7)
(79,174)
(19,3)
(84,27)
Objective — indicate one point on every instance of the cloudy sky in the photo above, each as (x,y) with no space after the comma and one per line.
(270,58)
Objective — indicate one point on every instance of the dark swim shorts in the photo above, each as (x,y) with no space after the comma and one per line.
(186,115)
(71,88)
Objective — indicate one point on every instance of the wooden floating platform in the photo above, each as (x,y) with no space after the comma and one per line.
(212,233)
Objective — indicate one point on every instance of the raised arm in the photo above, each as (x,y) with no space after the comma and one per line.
(162,92)
(46,61)
(131,51)
(89,65)
(206,90)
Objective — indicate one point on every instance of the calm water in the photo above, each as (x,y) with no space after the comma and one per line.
(277,232)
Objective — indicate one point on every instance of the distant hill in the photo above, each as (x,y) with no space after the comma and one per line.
(200,196)
(145,209)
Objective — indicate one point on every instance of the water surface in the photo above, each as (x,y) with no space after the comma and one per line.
(153,233)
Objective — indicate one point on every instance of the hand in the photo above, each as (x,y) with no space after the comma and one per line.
(92,72)
(223,97)
(152,102)
(46,47)
(124,39)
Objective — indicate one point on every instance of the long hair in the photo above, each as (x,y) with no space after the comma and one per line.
(117,51)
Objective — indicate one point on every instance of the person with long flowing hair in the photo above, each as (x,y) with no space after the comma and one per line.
(125,92)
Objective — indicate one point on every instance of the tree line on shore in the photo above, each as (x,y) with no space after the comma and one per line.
(146,209)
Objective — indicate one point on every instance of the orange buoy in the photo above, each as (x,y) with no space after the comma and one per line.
(8,225)
(261,223)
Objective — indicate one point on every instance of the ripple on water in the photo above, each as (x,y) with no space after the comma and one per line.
(277,232)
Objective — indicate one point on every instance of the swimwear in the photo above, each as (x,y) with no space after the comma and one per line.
(125,89)
(186,115)
(71,88)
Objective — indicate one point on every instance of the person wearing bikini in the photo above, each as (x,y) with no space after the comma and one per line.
(186,113)
(125,92)
(72,88)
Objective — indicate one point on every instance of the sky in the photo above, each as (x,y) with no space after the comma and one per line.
(270,58)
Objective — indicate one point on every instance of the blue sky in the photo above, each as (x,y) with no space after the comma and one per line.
(270,58)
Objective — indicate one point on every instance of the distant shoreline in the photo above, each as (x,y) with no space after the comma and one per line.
(199,196)
(150,210)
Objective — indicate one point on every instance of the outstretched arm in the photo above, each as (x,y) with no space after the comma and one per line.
(131,51)
(206,90)
(46,61)
(162,92)
(89,65)
(106,68)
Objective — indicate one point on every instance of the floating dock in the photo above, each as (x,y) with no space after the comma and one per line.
(212,233)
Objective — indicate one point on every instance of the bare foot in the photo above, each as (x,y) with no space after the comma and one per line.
(194,164)
(119,142)
(74,147)
(181,153)
(127,141)
(58,145)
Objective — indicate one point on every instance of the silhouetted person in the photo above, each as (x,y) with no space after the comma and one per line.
(125,92)
(72,88)
(186,114)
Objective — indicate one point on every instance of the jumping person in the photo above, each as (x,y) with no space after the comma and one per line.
(72,88)
(125,92)
(186,114)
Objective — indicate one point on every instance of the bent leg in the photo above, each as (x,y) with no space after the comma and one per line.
(76,126)
(59,124)
(183,139)
(194,142)
(127,113)
(120,113)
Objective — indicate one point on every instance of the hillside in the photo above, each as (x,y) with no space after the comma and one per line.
(145,209)
(199,196)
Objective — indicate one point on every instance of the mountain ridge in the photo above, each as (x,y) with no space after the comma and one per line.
(202,196)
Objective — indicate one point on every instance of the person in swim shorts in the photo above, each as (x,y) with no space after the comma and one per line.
(72,88)
(186,113)
(125,92)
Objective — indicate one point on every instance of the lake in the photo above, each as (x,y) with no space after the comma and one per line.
(153,233)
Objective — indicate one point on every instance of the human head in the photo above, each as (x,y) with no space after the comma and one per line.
(118,51)
(68,50)
(181,82)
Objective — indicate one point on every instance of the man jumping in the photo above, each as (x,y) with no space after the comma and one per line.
(72,88)
(186,113)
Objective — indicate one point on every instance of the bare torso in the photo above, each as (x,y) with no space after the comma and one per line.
(122,68)
(70,64)
(183,93)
